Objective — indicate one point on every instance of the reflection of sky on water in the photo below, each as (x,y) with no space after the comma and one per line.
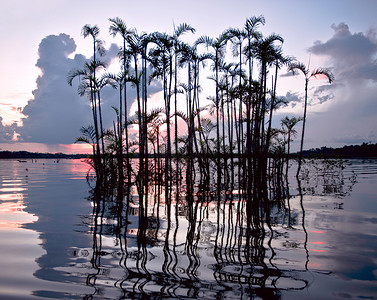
(40,205)
(344,233)
(19,246)
(44,219)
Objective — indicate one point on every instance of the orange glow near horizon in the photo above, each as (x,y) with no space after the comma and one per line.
(314,265)
(316,231)
(80,169)
(47,148)
(76,148)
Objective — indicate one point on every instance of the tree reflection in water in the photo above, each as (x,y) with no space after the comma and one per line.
(196,244)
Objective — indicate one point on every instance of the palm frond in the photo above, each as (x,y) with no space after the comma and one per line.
(183,116)
(82,140)
(297,66)
(90,30)
(205,40)
(88,135)
(323,72)
(119,26)
(73,74)
(253,23)
(183,28)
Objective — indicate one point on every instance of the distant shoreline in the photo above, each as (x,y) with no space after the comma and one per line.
(354,151)
(36,155)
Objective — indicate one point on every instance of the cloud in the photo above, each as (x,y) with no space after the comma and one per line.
(292,98)
(356,139)
(6,132)
(56,113)
(351,100)
(353,54)
(324,93)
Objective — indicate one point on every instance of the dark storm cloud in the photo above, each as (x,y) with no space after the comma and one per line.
(351,115)
(353,55)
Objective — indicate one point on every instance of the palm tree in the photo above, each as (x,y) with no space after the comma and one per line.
(88,136)
(189,56)
(279,61)
(219,46)
(298,66)
(137,47)
(289,123)
(237,36)
(119,81)
(251,34)
(181,29)
(98,46)
(266,52)
(88,86)
(118,26)
(162,61)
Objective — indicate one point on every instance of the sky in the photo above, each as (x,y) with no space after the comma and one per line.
(41,42)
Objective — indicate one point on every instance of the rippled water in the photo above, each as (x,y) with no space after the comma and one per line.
(318,244)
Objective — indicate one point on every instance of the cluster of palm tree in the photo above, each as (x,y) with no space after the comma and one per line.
(232,130)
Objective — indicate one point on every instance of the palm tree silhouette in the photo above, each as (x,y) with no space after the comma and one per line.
(298,66)
(181,29)
(288,124)
(118,26)
(98,46)
(88,86)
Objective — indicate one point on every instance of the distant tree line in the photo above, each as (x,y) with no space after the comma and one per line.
(36,155)
(364,150)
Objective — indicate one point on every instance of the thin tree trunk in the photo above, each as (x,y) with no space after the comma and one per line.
(303,127)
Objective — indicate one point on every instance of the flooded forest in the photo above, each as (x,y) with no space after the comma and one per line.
(188,190)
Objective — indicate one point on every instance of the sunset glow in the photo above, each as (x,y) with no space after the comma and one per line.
(33,113)
(76,148)
(316,231)
(175,149)
(12,215)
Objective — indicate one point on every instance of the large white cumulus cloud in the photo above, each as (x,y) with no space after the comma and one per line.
(56,113)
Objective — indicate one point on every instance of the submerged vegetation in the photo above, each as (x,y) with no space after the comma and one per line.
(232,131)
(230,165)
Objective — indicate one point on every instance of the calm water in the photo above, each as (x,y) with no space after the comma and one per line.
(319,244)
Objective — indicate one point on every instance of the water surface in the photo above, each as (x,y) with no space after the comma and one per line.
(318,243)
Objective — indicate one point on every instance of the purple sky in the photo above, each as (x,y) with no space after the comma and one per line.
(41,42)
